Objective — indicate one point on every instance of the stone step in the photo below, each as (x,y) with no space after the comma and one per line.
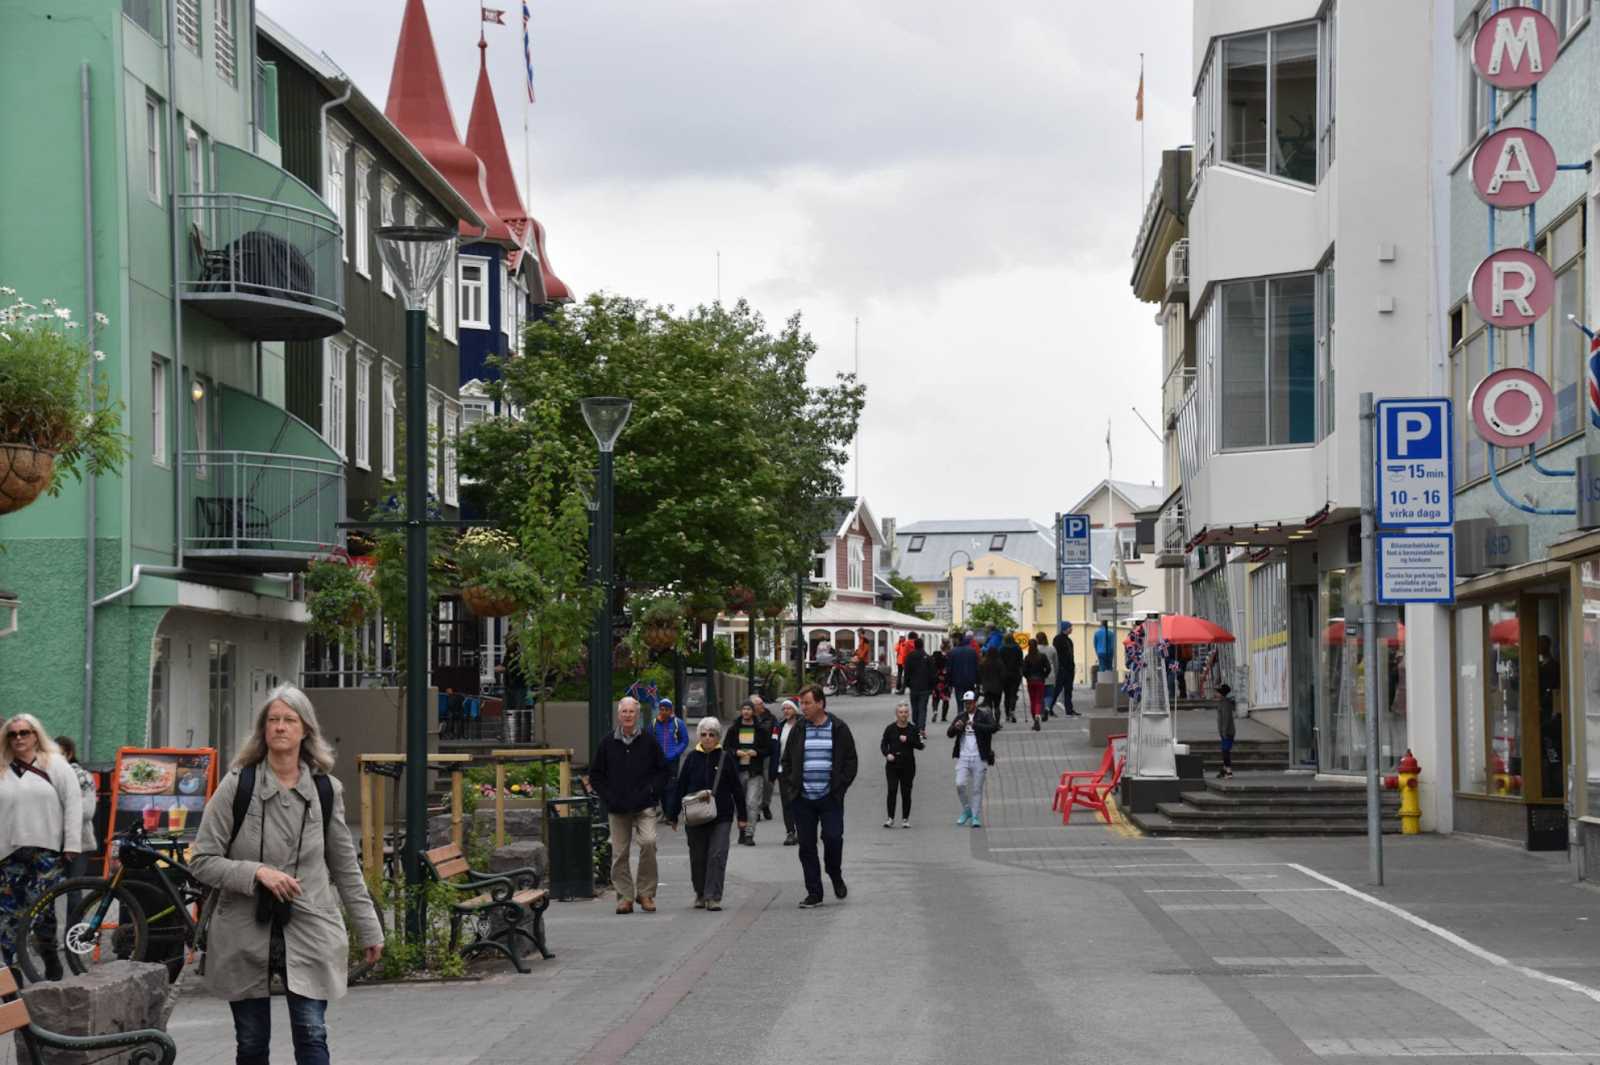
(1158,824)
(1182,811)
(1239,746)
(1218,800)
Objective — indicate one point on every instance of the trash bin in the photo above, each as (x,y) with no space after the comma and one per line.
(571,855)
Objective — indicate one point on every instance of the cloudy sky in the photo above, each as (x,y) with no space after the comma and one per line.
(964,178)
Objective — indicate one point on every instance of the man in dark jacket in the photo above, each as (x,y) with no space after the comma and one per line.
(749,740)
(819,765)
(919,679)
(629,773)
(973,730)
(1011,674)
(961,668)
(1066,667)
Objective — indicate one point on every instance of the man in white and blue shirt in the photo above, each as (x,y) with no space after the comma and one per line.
(819,765)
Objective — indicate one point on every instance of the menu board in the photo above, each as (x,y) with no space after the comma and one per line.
(163,789)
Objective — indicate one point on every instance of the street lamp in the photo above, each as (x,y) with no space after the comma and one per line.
(416,257)
(605,416)
(950,576)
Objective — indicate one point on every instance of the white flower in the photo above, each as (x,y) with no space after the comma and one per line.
(88,421)
(5,336)
(61,312)
(100,319)
(7,290)
(99,356)
(72,325)
(48,302)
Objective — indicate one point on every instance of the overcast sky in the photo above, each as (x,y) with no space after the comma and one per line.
(963,177)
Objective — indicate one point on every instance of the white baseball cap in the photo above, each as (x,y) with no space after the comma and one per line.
(970,697)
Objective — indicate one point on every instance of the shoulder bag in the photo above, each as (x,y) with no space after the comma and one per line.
(701,807)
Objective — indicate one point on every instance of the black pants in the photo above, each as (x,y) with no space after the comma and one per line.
(1012,684)
(919,709)
(899,678)
(900,776)
(991,700)
(826,813)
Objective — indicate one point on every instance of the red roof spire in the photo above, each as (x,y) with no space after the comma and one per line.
(419,105)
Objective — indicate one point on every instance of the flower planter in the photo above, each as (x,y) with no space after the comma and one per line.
(775,610)
(486,603)
(660,637)
(25,472)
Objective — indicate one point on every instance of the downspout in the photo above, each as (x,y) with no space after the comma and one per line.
(141,570)
(86,731)
(173,231)
(322,134)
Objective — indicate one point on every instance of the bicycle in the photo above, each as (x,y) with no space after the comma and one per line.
(842,677)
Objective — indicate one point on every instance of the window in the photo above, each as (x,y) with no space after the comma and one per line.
(475,410)
(1325,332)
(1267,362)
(474,292)
(188,23)
(997,542)
(452,429)
(434,407)
(1474,92)
(505,304)
(1567,14)
(335,355)
(857,555)
(222,36)
(819,564)
(194,164)
(1468,364)
(390,406)
(363,212)
(363,410)
(448,286)
(1326,94)
(221,692)
(386,193)
(916,544)
(1128,544)
(152,149)
(147,15)
(1261,96)
(333,188)
(202,428)
(158,411)
(1563,350)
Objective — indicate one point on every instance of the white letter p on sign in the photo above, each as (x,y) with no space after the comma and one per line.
(1411,425)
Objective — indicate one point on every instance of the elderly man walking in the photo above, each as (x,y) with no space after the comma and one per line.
(819,765)
(629,773)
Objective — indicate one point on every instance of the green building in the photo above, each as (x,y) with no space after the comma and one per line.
(208,258)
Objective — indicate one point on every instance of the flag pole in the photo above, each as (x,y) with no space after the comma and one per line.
(1141,134)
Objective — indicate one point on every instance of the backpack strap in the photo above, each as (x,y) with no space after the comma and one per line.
(247,788)
(325,799)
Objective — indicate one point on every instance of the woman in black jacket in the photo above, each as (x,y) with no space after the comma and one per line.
(1035,669)
(902,739)
(992,679)
(709,767)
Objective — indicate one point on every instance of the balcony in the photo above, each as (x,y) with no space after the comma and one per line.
(1179,383)
(1177,270)
(263,253)
(269,498)
(1171,535)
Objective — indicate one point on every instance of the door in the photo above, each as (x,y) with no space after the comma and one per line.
(1303,675)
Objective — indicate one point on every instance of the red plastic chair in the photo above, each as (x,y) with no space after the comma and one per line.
(1089,788)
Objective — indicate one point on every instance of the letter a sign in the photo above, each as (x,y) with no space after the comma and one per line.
(1515,47)
(1512,168)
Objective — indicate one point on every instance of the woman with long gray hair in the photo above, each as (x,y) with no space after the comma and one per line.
(283,869)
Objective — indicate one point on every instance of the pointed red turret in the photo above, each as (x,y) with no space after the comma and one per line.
(419,106)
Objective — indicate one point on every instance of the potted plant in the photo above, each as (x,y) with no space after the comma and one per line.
(339,595)
(704,607)
(49,425)
(488,564)
(659,619)
(739,599)
(819,595)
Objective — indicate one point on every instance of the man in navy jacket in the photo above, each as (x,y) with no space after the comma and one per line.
(629,773)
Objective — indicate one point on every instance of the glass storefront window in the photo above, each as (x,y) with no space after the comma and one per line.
(1587,725)
(1504,761)
(1552,700)
(1469,701)
(1342,711)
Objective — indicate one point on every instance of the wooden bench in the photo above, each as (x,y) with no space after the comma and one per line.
(150,1047)
(513,896)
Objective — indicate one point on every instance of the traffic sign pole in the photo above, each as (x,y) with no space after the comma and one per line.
(1369,631)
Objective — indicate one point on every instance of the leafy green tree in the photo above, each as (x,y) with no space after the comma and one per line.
(990,611)
(909,599)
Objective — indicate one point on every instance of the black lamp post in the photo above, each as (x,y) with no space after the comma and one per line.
(416,256)
(605,416)
(951,577)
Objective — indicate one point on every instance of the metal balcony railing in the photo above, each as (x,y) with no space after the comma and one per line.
(271,270)
(1178,268)
(1171,534)
(260,510)
(1177,385)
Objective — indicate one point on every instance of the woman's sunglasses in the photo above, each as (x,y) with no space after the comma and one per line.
(18,733)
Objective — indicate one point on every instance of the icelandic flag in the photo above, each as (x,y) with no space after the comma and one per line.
(527,50)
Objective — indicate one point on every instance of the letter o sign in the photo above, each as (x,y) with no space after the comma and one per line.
(1512,407)
(1512,287)
(1512,168)
(1515,47)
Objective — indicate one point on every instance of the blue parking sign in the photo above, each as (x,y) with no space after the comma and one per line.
(1415,477)
(1074,540)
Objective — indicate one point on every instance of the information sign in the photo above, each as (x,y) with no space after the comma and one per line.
(1414,463)
(164,790)
(1416,567)
(1076,580)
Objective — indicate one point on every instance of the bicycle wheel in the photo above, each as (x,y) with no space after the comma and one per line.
(105,923)
(832,681)
(875,682)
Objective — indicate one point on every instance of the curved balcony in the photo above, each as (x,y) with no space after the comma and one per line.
(263,253)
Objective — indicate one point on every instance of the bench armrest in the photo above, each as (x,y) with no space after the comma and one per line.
(501,887)
(526,877)
(150,1046)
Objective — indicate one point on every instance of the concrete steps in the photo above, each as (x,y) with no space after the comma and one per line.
(1268,804)
(1252,755)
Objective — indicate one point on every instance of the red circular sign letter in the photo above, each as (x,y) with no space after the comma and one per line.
(1512,288)
(1515,47)
(1512,168)
(1512,407)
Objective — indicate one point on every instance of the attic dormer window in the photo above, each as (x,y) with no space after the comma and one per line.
(998,542)
(916,544)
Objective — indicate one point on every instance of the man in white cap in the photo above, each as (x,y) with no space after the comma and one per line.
(973,730)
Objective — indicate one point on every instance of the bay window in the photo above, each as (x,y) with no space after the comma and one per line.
(1266,362)
(1265,102)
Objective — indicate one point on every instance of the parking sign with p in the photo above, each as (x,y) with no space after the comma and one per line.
(1075,539)
(1415,479)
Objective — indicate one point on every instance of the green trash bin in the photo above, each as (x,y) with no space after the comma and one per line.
(570,855)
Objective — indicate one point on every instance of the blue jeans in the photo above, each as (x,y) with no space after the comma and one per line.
(828,814)
(252,1030)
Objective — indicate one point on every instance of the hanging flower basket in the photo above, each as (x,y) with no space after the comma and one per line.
(660,637)
(487,603)
(25,472)
(772,610)
(704,609)
(820,594)
(740,599)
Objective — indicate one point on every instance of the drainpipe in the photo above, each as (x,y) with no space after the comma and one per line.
(174,229)
(87,729)
(139,570)
(322,142)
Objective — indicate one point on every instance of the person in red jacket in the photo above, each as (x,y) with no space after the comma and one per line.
(863,659)
(902,648)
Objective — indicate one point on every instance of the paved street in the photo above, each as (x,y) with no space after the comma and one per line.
(1041,943)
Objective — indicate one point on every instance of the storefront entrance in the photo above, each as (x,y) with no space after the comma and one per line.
(1341,681)
(1303,676)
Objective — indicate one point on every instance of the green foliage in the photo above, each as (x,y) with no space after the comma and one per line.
(489,559)
(990,611)
(404,956)
(775,676)
(909,599)
(44,401)
(819,595)
(526,776)
(339,594)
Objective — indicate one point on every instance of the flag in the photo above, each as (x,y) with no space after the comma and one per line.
(494,15)
(1108,444)
(527,50)
(1138,99)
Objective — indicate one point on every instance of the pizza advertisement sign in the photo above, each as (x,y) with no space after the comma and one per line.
(162,789)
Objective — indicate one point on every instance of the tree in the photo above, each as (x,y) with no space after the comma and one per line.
(727,457)
(990,611)
(909,599)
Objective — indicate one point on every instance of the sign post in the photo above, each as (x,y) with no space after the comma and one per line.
(1369,634)
(1073,561)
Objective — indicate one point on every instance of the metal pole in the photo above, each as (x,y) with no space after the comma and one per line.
(752,649)
(800,642)
(593,579)
(600,645)
(1369,635)
(90,524)
(417,444)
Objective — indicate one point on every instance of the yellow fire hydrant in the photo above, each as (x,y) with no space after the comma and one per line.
(1410,804)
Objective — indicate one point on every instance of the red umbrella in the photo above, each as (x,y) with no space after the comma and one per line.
(1334,633)
(1185,629)
(1506,631)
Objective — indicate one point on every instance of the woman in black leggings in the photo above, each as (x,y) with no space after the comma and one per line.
(901,742)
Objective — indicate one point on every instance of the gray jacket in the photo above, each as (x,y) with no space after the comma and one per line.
(317,945)
(1227,706)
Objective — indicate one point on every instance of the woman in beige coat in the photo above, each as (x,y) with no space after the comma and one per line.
(278,908)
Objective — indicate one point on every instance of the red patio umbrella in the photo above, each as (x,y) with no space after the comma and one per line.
(1186,629)
(1334,633)
(1506,631)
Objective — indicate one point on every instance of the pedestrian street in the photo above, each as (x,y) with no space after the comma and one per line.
(1025,938)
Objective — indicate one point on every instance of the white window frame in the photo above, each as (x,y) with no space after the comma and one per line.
(1473,93)
(333,184)
(1127,544)
(363,213)
(363,409)
(505,303)
(152,150)
(194,158)
(1214,313)
(160,453)
(856,556)
(435,409)
(390,400)
(452,473)
(1327,349)
(448,311)
(388,188)
(474,293)
(1210,132)
(335,384)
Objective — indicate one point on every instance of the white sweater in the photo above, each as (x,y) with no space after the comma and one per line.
(34,813)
